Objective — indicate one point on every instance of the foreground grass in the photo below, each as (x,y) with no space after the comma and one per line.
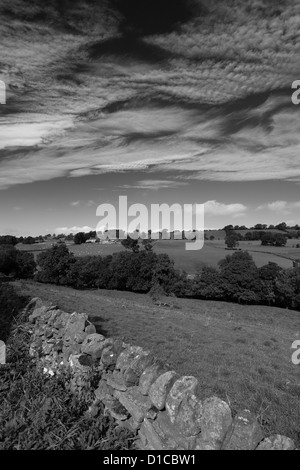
(41,413)
(242,354)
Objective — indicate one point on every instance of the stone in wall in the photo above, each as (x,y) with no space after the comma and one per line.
(244,434)
(93,345)
(215,423)
(137,404)
(160,388)
(149,376)
(276,442)
(188,418)
(180,389)
(161,434)
(2,352)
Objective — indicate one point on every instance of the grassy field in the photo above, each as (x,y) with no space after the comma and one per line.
(241,354)
(191,261)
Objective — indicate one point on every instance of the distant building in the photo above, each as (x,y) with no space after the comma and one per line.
(92,240)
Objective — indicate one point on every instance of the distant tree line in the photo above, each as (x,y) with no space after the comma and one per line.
(269,238)
(282,226)
(236,279)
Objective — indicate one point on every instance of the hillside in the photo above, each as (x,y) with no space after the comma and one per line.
(240,353)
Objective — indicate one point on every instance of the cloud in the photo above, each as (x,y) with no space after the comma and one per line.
(154,184)
(206,99)
(218,208)
(284,207)
(74,229)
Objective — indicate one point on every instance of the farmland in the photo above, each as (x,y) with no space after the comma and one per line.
(191,261)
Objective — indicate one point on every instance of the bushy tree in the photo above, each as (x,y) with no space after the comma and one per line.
(131,244)
(232,239)
(54,264)
(273,239)
(209,284)
(8,240)
(79,238)
(8,259)
(89,272)
(26,265)
(239,274)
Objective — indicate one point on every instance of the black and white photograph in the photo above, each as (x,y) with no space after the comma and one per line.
(149,227)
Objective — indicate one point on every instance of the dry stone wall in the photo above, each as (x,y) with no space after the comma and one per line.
(139,391)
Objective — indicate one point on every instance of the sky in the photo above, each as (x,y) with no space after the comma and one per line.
(164,101)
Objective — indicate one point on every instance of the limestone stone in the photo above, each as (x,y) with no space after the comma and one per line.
(149,376)
(244,434)
(116,381)
(109,357)
(188,418)
(160,388)
(137,404)
(90,329)
(37,313)
(276,442)
(128,356)
(216,421)
(161,434)
(2,352)
(181,388)
(141,363)
(75,325)
(93,345)
(130,378)
(104,391)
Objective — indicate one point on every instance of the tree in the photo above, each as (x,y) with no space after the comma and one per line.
(29,241)
(8,259)
(228,228)
(240,277)
(26,265)
(79,238)
(282,226)
(54,264)
(269,274)
(131,244)
(273,239)
(232,239)
(8,240)
(148,244)
(209,284)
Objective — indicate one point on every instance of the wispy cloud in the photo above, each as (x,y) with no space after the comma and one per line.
(218,208)
(282,207)
(74,229)
(207,100)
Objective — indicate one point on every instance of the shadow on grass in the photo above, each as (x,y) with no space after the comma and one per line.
(10,305)
(98,322)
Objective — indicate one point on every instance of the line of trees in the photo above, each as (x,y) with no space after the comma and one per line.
(236,279)
(282,226)
(269,238)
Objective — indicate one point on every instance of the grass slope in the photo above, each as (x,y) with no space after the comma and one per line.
(241,354)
